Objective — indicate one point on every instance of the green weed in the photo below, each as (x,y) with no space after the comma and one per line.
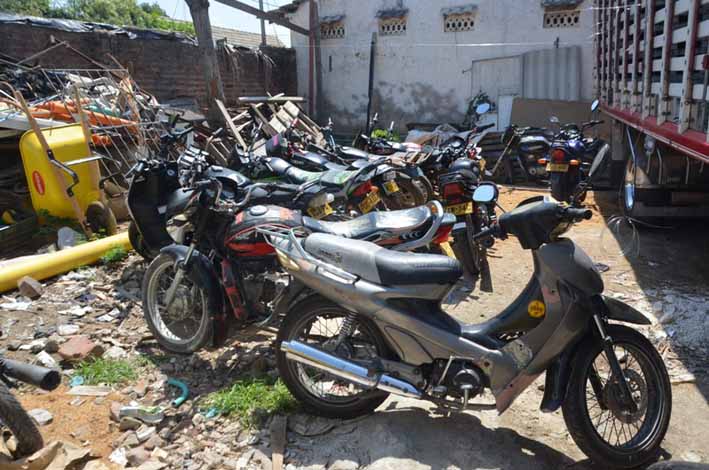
(114,255)
(247,399)
(108,371)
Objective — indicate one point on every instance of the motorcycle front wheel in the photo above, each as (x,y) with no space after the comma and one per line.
(609,433)
(317,322)
(185,325)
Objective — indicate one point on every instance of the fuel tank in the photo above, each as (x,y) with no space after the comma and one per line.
(242,238)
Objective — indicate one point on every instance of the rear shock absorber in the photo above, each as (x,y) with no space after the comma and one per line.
(347,328)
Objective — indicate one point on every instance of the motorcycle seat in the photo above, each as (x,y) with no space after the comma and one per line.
(381,266)
(364,226)
(336,178)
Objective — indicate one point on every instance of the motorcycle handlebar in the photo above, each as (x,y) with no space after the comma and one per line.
(485,127)
(573,213)
(46,379)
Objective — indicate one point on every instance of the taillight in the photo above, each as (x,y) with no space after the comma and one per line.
(443,234)
(452,189)
(558,156)
(363,189)
(472,152)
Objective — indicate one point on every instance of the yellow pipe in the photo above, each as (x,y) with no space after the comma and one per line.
(45,266)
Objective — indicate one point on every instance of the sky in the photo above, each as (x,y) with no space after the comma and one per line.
(227,17)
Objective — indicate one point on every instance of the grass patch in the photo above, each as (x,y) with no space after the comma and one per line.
(114,255)
(250,398)
(108,371)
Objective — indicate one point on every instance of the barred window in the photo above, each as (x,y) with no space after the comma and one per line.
(562,19)
(392,26)
(460,22)
(332,30)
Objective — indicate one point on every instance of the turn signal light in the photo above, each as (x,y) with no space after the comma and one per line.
(542,161)
(363,189)
(574,163)
(455,189)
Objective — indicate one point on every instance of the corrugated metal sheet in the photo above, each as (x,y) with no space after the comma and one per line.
(552,74)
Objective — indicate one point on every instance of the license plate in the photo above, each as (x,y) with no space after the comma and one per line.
(460,209)
(557,167)
(369,202)
(391,187)
(320,211)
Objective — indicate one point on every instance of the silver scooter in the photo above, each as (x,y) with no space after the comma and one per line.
(373,325)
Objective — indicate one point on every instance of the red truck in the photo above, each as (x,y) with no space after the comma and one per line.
(651,75)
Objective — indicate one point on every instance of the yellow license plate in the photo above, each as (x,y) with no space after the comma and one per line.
(391,187)
(460,209)
(369,202)
(320,211)
(557,167)
(483,164)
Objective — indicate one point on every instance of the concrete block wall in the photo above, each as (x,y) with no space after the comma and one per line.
(165,68)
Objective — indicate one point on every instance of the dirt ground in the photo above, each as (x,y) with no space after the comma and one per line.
(663,270)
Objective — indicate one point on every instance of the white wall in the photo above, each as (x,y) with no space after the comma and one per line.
(419,75)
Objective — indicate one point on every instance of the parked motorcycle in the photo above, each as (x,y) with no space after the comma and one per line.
(156,196)
(12,415)
(525,149)
(227,275)
(395,184)
(570,157)
(375,327)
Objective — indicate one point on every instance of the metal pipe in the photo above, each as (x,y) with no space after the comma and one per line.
(304,354)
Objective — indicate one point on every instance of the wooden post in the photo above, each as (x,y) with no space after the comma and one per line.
(370,86)
(311,59)
(315,28)
(685,105)
(263,24)
(199,9)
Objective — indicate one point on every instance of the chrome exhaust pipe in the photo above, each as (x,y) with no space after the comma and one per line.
(300,352)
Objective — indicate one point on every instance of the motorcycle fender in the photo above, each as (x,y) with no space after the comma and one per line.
(201,272)
(620,311)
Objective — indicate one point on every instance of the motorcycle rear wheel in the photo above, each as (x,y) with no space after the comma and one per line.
(638,434)
(328,318)
(190,307)
(14,417)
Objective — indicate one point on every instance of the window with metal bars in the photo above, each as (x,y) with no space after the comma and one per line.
(562,19)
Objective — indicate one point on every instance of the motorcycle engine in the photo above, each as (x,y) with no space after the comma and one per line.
(460,376)
(264,287)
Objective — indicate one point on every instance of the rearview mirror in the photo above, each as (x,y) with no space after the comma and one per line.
(485,193)
(482,108)
(594,105)
(554,120)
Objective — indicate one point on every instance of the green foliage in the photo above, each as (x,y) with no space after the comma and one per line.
(117,12)
(26,7)
(106,371)
(248,398)
(114,255)
(385,134)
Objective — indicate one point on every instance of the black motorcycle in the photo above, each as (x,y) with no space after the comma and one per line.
(12,415)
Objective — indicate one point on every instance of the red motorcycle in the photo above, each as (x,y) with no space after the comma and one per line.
(229,277)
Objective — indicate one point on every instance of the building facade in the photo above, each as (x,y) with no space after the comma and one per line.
(432,57)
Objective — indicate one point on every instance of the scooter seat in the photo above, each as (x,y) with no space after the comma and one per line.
(394,222)
(381,266)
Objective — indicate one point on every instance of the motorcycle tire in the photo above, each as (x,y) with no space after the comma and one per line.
(560,186)
(424,184)
(468,252)
(138,243)
(639,449)
(408,196)
(166,336)
(297,320)
(14,417)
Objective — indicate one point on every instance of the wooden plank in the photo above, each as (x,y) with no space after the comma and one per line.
(647,63)
(230,124)
(278,441)
(616,53)
(266,15)
(608,12)
(266,125)
(685,106)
